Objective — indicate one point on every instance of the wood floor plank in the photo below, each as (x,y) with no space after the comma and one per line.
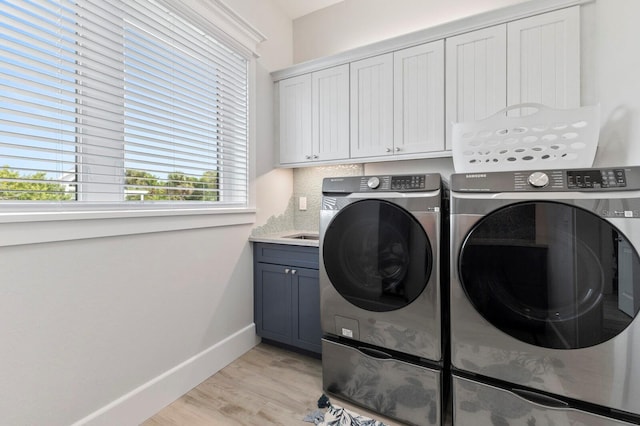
(266,386)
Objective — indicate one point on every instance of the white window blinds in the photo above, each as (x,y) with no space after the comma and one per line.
(119,102)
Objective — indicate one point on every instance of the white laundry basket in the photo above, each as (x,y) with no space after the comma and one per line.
(546,138)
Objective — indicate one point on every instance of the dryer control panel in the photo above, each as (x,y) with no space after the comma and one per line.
(600,178)
(582,180)
(382,183)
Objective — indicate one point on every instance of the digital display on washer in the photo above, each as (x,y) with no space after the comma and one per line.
(407,182)
(606,178)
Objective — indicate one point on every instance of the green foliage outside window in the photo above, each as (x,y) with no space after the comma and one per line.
(14,186)
(177,186)
(140,185)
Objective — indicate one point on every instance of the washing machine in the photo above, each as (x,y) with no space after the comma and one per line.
(545,293)
(381,296)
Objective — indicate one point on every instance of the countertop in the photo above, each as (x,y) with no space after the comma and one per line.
(286,237)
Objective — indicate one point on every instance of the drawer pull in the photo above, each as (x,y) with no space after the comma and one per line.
(537,398)
(374,353)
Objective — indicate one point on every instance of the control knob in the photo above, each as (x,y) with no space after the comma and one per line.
(538,179)
(373,182)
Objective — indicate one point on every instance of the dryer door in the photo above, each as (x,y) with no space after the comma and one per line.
(377,255)
(550,274)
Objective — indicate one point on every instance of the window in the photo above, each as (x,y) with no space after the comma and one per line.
(120,102)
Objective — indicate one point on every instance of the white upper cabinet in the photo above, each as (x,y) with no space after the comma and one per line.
(476,75)
(418,95)
(372,106)
(295,119)
(330,113)
(314,116)
(543,59)
(397,102)
(535,59)
(398,99)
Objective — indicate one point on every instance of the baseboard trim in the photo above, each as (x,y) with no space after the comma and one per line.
(138,405)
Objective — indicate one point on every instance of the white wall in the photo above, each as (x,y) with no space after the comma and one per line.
(610,61)
(354,23)
(86,322)
(614,71)
(106,331)
(274,187)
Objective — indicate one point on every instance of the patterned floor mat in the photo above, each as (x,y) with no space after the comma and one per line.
(338,416)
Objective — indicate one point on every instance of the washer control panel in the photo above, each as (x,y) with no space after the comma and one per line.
(382,183)
(604,178)
(583,180)
(402,183)
(407,183)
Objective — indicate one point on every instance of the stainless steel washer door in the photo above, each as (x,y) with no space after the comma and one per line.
(551,275)
(377,255)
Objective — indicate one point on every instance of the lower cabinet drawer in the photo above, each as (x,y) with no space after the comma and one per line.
(283,254)
(476,403)
(394,388)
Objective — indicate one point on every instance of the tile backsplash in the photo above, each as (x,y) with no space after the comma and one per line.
(307,182)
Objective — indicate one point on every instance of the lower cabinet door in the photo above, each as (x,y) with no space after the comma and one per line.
(273,300)
(287,305)
(307,331)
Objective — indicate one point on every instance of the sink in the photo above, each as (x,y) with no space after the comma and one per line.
(303,237)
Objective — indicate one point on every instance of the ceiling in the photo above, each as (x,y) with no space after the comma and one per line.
(297,8)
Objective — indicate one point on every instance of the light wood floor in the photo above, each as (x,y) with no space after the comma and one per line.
(266,386)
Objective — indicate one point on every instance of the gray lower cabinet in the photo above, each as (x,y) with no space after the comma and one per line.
(287,295)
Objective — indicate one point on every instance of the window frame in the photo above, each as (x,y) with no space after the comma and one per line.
(83,219)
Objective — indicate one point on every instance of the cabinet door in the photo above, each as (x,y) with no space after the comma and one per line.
(295,119)
(372,106)
(419,99)
(476,75)
(330,107)
(307,330)
(543,59)
(273,300)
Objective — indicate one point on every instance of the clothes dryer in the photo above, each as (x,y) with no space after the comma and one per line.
(545,293)
(381,294)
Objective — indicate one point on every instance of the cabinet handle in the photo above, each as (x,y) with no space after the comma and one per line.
(286,270)
(388,149)
(293,271)
(315,156)
(308,157)
(397,148)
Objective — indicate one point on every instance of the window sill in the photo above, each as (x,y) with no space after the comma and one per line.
(18,228)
